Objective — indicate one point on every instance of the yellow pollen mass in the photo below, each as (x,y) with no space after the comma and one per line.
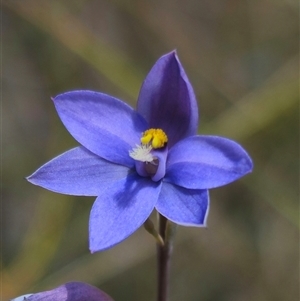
(157,138)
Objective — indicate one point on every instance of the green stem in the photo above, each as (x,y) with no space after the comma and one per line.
(166,230)
(150,228)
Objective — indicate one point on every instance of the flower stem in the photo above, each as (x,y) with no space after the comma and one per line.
(166,230)
(149,227)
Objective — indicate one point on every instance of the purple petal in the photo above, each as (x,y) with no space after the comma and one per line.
(104,125)
(78,172)
(204,162)
(72,291)
(167,100)
(187,207)
(121,210)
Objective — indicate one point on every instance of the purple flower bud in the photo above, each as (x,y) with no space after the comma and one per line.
(71,291)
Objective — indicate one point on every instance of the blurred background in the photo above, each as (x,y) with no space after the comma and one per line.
(242,59)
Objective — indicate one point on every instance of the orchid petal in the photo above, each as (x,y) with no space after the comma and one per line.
(104,125)
(121,210)
(167,100)
(187,207)
(78,172)
(72,291)
(204,162)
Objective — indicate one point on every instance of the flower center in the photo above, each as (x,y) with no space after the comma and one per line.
(151,139)
(142,153)
(151,155)
(157,137)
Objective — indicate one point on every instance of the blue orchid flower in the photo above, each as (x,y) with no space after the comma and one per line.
(135,161)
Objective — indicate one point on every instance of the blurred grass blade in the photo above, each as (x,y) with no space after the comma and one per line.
(53,18)
(261,107)
(39,245)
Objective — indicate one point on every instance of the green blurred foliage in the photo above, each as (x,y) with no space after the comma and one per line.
(242,59)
